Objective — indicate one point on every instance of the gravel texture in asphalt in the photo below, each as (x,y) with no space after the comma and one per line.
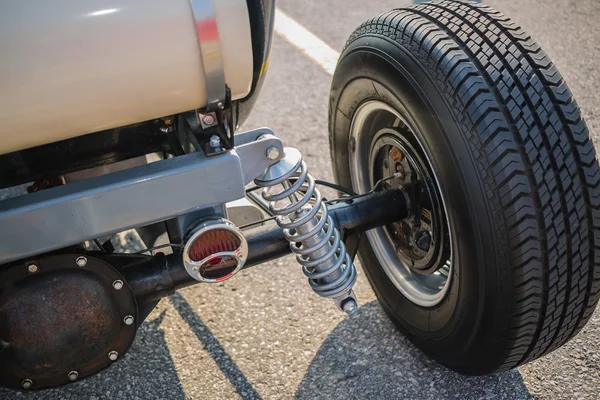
(265,334)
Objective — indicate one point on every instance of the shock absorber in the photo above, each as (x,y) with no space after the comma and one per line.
(302,214)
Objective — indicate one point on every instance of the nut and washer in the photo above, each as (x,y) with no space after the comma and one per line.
(208,119)
(350,307)
(81,261)
(26,384)
(215,141)
(32,268)
(113,355)
(118,284)
(128,319)
(73,375)
(272,153)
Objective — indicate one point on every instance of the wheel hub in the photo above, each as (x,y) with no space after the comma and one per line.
(419,241)
(415,253)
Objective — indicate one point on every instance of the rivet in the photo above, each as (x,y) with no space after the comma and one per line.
(113,355)
(73,375)
(33,268)
(128,319)
(26,384)
(118,284)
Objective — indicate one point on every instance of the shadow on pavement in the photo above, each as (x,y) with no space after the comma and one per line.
(365,358)
(229,368)
(146,372)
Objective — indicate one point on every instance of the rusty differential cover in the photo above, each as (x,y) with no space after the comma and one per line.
(58,316)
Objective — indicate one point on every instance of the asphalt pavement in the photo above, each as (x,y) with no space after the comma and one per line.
(265,334)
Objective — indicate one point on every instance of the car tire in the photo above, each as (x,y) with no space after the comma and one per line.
(514,166)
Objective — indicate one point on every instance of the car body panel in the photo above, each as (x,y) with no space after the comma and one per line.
(72,67)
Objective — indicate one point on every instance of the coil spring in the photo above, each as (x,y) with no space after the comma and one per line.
(313,237)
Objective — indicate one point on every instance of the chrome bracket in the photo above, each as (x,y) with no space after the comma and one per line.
(205,19)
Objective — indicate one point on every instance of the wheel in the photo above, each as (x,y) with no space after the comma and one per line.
(499,264)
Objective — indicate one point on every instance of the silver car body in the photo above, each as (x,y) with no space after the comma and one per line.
(71,67)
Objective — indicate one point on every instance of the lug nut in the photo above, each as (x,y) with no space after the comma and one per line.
(128,319)
(350,307)
(118,284)
(73,375)
(113,355)
(423,241)
(272,153)
(33,268)
(215,141)
(26,384)
(81,261)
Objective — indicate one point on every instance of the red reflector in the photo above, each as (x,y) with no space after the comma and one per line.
(215,241)
(215,251)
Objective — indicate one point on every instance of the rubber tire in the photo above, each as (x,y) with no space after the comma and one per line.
(517,170)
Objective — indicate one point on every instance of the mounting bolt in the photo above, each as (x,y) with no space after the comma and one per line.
(215,141)
(272,153)
(113,355)
(26,384)
(81,261)
(128,319)
(33,268)
(399,171)
(208,119)
(423,241)
(73,375)
(118,284)
(350,306)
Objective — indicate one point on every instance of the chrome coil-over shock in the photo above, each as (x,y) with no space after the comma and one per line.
(307,225)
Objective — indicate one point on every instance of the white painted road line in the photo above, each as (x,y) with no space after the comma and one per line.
(310,45)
